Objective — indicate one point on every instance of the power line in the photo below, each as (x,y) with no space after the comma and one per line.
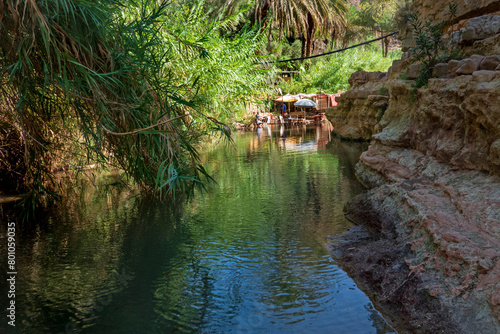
(328,53)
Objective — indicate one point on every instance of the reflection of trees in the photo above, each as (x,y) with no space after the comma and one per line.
(259,235)
(70,265)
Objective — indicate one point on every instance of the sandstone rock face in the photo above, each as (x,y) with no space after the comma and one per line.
(440,70)
(469,65)
(486,47)
(450,220)
(456,120)
(490,63)
(362,77)
(457,117)
(481,27)
(360,108)
(437,11)
(414,71)
(429,251)
(476,25)
(434,171)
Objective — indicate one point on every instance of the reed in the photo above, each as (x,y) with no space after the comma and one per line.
(132,86)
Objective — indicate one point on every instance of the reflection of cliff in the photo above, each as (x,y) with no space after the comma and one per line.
(433,166)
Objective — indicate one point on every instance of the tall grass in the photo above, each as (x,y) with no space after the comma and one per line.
(331,73)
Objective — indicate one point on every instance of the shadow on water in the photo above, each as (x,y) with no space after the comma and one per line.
(248,257)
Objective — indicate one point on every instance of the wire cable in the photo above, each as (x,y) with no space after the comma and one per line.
(328,53)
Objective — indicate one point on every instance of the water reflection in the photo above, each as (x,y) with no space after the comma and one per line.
(249,257)
(297,137)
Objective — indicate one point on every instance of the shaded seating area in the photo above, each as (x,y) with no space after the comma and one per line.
(323,101)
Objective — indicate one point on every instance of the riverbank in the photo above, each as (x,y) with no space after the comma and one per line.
(433,261)
(427,250)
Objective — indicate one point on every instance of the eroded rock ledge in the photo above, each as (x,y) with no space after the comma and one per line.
(432,259)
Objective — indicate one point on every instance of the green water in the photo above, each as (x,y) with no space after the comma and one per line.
(248,257)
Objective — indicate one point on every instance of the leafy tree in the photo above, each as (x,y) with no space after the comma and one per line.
(373,16)
(430,47)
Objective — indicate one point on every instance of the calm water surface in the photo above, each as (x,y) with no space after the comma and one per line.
(248,257)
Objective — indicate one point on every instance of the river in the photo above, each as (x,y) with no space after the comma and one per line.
(248,256)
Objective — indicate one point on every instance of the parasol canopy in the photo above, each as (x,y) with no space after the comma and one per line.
(287,98)
(305,103)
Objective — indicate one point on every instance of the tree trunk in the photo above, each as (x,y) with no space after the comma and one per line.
(310,34)
(303,47)
(387,40)
(269,37)
(308,46)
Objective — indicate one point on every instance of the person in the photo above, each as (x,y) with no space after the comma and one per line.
(257,120)
(283,109)
(318,117)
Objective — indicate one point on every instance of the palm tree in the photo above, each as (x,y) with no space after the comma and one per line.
(304,19)
(373,17)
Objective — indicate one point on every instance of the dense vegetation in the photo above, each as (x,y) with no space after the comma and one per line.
(131,86)
(332,73)
(137,85)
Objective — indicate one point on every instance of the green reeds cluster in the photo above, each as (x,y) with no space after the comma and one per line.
(132,85)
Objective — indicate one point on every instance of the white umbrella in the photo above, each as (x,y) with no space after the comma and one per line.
(305,103)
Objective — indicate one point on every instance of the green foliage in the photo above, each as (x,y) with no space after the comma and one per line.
(133,86)
(376,15)
(429,41)
(403,14)
(302,19)
(381,113)
(333,72)
(430,46)
(383,91)
(371,18)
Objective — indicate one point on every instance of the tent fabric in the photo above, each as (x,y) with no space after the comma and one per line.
(305,103)
(287,98)
(332,100)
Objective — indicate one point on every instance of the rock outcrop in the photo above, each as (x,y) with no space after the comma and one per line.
(437,11)
(431,253)
(361,107)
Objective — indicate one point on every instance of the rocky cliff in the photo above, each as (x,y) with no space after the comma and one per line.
(429,251)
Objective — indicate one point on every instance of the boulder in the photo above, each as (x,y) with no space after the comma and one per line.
(484,76)
(440,70)
(376,76)
(480,28)
(359,109)
(487,47)
(362,77)
(452,68)
(490,63)
(469,65)
(414,71)
(358,78)
(396,67)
